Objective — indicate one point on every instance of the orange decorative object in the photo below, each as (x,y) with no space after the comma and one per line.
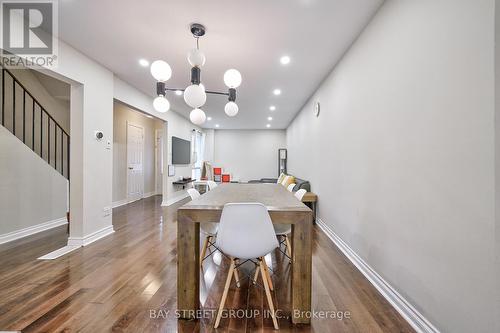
(217,171)
(226,178)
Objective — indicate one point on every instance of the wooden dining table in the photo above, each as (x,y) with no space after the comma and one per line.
(283,207)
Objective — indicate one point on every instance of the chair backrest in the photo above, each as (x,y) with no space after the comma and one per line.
(300,194)
(246,231)
(211,184)
(290,187)
(193,193)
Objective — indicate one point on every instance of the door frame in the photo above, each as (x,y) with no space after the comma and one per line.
(159,138)
(126,164)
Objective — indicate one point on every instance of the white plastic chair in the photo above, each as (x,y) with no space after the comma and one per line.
(290,187)
(300,194)
(208,228)
(246,232)
(283,230)
(211,184)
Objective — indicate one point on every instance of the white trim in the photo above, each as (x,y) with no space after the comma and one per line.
(119,203)
(9,237)
(149,194)
(84,241)
(405,309)
(59,252)
(173,200)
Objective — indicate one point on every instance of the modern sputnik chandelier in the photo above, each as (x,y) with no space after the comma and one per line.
(195,95)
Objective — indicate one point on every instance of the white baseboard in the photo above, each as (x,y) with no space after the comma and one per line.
(173,200)
(119,203)
(59,253)
(405,309)
(9,237)
(84,241)
(149,194)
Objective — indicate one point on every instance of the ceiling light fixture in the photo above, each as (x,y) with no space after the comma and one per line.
(209,118)
(272,108)
(268,125)
(195,95)
(217,125)
(269,118)
(285,60)
(277,92)
(143,62)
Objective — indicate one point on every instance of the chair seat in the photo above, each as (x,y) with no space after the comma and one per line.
(282,229)
(209,228)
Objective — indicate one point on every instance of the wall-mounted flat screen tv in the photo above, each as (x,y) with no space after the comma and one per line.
(181,151)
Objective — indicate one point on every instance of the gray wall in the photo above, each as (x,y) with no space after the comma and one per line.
(248,154)
(403,158)
(122,114)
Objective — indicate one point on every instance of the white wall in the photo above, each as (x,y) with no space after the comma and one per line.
(91,161)
(248,154)
(497,158)
(31,191)
(402,155)
(123,114)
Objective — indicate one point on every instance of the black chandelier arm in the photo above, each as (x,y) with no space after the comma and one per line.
(206,91)
(161,89)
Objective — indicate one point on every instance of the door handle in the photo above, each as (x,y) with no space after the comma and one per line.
(131,168)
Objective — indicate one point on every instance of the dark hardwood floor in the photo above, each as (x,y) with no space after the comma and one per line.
(127,282)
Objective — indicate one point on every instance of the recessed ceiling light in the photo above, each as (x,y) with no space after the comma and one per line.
(143,62)
(217,125)
(178,92)
(268,125)
(285,60)
(272,108)
(209,118)
(269,118)
(277,92)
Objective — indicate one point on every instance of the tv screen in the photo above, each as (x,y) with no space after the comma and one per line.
(181,151)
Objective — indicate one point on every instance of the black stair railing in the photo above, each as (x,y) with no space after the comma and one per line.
(34,118)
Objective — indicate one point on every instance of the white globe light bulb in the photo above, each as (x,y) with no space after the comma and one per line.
(161,104)
(232,78)
(161,71)
(195,96)
(231,109)
(196,58)
(197,116)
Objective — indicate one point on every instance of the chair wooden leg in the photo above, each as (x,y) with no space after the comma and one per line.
(256,275)
(224,294)
(236,274)
(268,275)
(288,247)
(268,293)
(204,250)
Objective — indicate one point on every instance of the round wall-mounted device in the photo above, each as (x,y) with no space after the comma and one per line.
(98,135)
(317,109)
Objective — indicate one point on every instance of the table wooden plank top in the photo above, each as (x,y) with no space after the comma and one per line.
(273,196)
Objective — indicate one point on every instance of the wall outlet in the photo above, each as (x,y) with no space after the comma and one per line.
(106,211)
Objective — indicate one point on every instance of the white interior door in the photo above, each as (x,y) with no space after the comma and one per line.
(135,162)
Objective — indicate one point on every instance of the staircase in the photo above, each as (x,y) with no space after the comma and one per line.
(28,120)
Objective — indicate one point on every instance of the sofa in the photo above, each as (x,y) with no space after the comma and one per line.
(299,183)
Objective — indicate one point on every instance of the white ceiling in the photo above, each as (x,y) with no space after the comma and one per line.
(250,36)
